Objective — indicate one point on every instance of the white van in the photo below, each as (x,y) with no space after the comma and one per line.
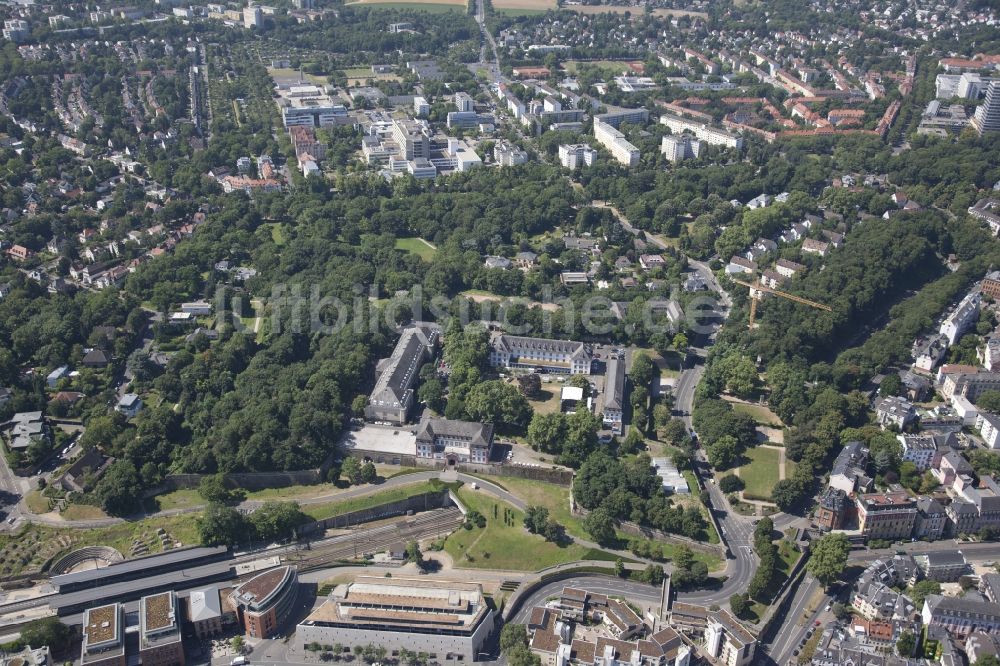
(239,661)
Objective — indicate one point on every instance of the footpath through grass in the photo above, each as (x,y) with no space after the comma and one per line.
(504,543)
(417,246)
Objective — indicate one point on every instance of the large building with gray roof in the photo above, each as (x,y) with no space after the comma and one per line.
(454,441)
(613,413)
(393,396)
(555,356)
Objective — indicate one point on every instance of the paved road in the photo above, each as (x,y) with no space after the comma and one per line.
(797,621)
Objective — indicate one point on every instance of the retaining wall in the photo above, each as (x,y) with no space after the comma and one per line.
(422,502)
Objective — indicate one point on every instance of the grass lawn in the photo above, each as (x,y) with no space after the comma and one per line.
(510,11)
(83,512)
(337,508)
(669,366)
(556,500)
(548,401)
(761,474)
(185,498)
(761,414)
(277,233)
(552,497)
(500,545)
(417,246)
(37,502)
(288,73)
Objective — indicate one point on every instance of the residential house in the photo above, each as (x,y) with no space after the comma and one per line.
(130,405)
(788,268)
(741,265)
(894,411)
(942,566)
(813,246)
(886,516)
(961,616)
(501,263)
(931,520)
(848,473)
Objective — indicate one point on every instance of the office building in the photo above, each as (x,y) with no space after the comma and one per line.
(160,631)
(728,641)
(103,636)
(207,614)
(574,156)
(444,620)
(264,602)
(555,356)
(455,441)
(678,148)
(702,131)
(310,106)
(394,391)
(888,516)
(987,118)
(616,143)
(413,139)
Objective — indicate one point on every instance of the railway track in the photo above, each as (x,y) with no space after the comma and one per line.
(364,542)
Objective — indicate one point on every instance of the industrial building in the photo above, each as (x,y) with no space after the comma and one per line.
(445,620)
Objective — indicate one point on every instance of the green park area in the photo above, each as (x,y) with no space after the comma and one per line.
(504,543)
(417,246)
(762,472)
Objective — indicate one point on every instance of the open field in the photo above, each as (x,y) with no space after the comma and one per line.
(548,401)
(506,544)
(611,68)
(524,6)
(636,11)
(760,413)
(287,73)
(417,246)
(556,500)
(763,472)
(436,6)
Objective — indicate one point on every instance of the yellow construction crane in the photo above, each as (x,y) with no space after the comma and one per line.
(757,291)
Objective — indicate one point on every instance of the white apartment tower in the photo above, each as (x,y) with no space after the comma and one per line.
(987,118)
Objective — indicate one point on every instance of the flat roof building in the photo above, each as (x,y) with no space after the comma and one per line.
(160,631)
(616,143)
(443,619)
(103,636)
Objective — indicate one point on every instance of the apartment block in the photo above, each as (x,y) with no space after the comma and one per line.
(888,516)
(616,143)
